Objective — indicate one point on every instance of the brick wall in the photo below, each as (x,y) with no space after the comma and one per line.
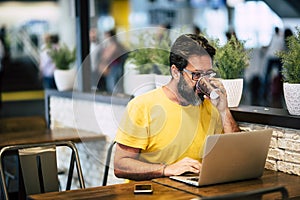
(284,152)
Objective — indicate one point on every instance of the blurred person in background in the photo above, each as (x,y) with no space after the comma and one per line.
(273,62)
(287,33)
(95,51)
(5,43)
(46,65)
(112,60)
(2,54)
(197,30)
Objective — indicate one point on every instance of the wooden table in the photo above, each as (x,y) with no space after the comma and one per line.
(269,179)
(165,188)
(118,191)
(46,136)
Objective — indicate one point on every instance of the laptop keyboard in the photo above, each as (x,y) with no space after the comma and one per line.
(194,179)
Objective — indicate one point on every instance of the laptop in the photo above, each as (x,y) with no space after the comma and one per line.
(231,157)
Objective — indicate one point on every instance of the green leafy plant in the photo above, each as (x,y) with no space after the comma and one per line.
(232,58)
(63,57)
(152,57)
(291,59)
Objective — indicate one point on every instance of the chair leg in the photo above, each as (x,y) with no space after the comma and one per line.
(71,169)
(8,177)
(75,158)
(4,191)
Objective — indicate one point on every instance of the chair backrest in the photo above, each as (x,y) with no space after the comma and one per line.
(38,167)
(38,164)
(107,163)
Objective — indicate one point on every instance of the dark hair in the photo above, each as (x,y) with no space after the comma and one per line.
(287,33)
(187,45)
(54,39)
(112,32)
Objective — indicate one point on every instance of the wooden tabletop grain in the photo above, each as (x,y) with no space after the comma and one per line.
(116,192)
(269,179)
(46,136)
(165,188)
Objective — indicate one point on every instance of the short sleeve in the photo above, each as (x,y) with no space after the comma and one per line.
(134,126)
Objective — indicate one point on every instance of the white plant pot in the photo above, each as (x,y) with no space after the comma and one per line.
(161,80)
(234,90)
(64,79)
(138,84)
(292,97)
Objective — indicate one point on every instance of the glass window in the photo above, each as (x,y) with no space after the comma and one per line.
(254,22)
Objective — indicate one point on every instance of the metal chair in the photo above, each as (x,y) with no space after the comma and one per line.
(38,167)
(250,195)
(107,163)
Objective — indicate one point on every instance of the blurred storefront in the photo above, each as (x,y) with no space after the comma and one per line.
(27,21)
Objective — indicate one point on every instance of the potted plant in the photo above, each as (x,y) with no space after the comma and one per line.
(64,74)
(291,73)
(231,60)
(148,64)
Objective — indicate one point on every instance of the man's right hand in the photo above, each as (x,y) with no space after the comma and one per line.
(182,166)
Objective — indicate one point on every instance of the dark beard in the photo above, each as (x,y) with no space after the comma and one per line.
(201,96)
(188,94)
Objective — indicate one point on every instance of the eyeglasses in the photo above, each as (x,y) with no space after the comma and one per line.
(197,75)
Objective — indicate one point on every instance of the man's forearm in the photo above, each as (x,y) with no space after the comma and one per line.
(229,124)
(137,170)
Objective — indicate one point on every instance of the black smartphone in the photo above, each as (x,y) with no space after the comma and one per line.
(143,189)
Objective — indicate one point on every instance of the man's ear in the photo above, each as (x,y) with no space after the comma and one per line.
(175,72)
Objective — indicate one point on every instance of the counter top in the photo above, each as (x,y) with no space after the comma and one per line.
(266,115)
(243,113)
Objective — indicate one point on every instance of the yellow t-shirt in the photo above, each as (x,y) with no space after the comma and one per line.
(165,131)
